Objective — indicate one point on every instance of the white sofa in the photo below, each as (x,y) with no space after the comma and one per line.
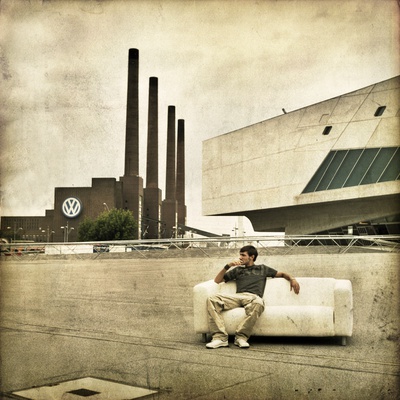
(324,307)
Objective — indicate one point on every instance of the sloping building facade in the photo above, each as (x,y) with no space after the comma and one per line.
(325,168)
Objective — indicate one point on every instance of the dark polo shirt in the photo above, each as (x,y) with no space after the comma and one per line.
(250,279)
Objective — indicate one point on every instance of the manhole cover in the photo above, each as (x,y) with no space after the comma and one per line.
(89,388)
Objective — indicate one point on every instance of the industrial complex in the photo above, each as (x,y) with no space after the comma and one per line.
(156,218)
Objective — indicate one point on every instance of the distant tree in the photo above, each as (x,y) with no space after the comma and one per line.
(115,224)
(86,230)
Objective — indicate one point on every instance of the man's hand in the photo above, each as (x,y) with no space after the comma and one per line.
(220,276)
(294,285)
(234,263)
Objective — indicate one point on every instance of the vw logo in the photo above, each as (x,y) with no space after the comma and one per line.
(71,207)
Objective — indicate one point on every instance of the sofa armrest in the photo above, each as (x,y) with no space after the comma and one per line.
(200,294)
(343,312)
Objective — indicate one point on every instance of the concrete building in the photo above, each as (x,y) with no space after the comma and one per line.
(332,167)
(73,204)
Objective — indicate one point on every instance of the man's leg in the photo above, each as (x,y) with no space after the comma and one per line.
(215,305)
(254,306)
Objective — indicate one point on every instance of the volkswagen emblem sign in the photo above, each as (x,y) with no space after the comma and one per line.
(71,207)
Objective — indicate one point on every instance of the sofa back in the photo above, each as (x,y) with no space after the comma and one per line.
(313,292)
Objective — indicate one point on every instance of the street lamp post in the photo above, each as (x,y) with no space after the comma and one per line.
(235,230)
(15,231)
(48,233)
(67,231)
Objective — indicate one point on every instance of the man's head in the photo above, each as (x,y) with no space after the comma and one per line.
(248,254)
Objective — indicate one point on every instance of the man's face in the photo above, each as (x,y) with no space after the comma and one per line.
(245,259)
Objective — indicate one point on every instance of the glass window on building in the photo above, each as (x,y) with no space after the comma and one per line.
(353,167)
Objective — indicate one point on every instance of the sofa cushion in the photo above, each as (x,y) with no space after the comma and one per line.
(286,321)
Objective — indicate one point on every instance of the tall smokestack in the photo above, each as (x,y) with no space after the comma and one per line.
(152,135)
(180,173)
(152,194)
(131,182)
(170,205)
(170,183)
(132,116)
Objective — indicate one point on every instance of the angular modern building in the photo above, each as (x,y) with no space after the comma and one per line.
(332,167)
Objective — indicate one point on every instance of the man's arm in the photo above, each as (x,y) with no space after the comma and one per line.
(293,283)
(220,276)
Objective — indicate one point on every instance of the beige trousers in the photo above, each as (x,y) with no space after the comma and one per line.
(253,305)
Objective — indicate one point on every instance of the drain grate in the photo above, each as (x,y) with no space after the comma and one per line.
(83,392)
(91,388)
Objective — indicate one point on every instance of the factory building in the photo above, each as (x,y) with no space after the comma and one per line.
(156,218)
(329,168)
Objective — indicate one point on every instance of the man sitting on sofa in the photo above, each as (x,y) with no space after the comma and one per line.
(250,283)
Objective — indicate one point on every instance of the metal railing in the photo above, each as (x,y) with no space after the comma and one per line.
(203,247)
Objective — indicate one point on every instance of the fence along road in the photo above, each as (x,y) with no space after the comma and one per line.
(203,247)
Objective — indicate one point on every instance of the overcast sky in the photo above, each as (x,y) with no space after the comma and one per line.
(223,64)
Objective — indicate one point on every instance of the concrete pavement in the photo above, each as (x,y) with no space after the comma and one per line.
(131,321)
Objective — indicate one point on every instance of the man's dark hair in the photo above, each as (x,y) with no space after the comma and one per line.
(250,250)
